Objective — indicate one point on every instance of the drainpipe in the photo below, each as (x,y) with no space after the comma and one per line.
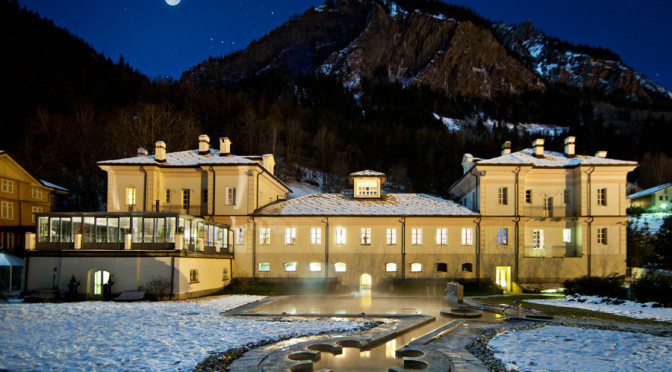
(516,219)
(214,188)
(403,247)
(254,248)
(589,221)
(257,186)
(172,277)
(325,220)
(477,247)
(144,189)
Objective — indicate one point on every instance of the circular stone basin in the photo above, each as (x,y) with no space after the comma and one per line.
(462,313)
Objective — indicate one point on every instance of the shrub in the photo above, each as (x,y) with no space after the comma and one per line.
(596,286)
(157,289)
(653,288)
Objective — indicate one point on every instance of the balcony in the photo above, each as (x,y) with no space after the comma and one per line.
(552,251)
(549,212)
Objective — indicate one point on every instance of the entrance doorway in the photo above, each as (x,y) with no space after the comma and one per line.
(503,277)
(100,278)
(365,281)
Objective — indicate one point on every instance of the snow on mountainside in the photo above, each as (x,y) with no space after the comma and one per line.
(458,125)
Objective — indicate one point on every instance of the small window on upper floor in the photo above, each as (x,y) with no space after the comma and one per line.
(602,236)
(231,196)
(566,197)
(602,196)
(442,267)
(204,196)
(130,196)
(8,186)
(503,196)
(367,188)
(167,196)
(37,192)
(528,196)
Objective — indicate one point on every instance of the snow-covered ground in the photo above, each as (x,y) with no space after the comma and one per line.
(458,125)
(560,348)
(135,336)
(649,222)
(627,308)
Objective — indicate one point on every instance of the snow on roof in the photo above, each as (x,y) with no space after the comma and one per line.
(367,173)
(185,159)
(56,187)
(387,205)
(649,191)
(552,159)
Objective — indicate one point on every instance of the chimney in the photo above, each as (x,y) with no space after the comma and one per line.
(160,152)
(142,151)
(506,148)
(467,162)
(268,162)
(601,154)
(203,144)
(224,146)
(570,149)
(538,146)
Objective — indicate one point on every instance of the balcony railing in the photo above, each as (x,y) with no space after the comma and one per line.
(99,246)
(192,209)
(555,211)
(552,251)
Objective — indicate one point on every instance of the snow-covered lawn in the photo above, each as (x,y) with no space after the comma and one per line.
(560,348)
(649,222)
(135,336)
(627,308)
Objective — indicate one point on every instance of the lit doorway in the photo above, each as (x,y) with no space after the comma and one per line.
(503,277)
(100,277)
(365,281)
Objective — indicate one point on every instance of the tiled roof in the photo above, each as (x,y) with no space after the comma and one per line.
(649,191)
(367,173)
(552,159)
(185,158)
(387,205)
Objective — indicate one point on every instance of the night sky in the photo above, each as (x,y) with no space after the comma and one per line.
(163,40)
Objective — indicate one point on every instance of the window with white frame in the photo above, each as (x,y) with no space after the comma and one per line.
(602,235)
(186,198)
(416,236)
(35,210)
(290,235)
(567,235)
(7,210)
(315,267)
(503,196)
(340,235)
(8,186)
(367,188)
(538,239)
(231,196)
(130,196)
(315,235)
(290,266)
(240,232)
(502,236)
(339,267)
(264,266)
(366,235)
(265,235)
(391,267)
(416,267)
(391,236)
(467,236)
(602,196)
(37,192)
(442,236)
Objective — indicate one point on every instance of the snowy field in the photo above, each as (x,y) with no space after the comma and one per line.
(560,348)
(648,222)
(628,308)
(135,336)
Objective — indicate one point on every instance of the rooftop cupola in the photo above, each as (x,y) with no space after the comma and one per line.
(224,146)
(538,146)
(570,147)
(203,144)
(367,184)
(142,151)
(601,154)
(506,148)
(160,152)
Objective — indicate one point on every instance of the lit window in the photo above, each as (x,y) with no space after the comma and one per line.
(442,236)
(7,210)
(37,192)
(538,239)
(340,235)
(241,235)
(416,267)
(130,196)
(35,210)
(602,196)
(315,266)
(502,236)
(8,186)
(264,266)
(193,276)
(367,188)
(503,196)
(186,199)
(339,267)
(231,196)
(391,267)
(290,235)
(366,236)
(602,236)
(416,236)
(290,266)
(315,235)
(567,235)
(467,236)
(265,235)
(528,196)
(167,196)
(442,267)
(391,236)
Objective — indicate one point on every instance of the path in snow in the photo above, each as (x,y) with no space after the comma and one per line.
(628,308)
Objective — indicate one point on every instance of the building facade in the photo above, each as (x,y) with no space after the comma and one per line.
(657,198)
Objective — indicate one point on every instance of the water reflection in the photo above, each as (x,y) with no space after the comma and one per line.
(365,298)
(390,349)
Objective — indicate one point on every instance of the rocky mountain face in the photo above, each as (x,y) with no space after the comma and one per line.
(368,39)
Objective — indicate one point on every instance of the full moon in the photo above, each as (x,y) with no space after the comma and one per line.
(172,2)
